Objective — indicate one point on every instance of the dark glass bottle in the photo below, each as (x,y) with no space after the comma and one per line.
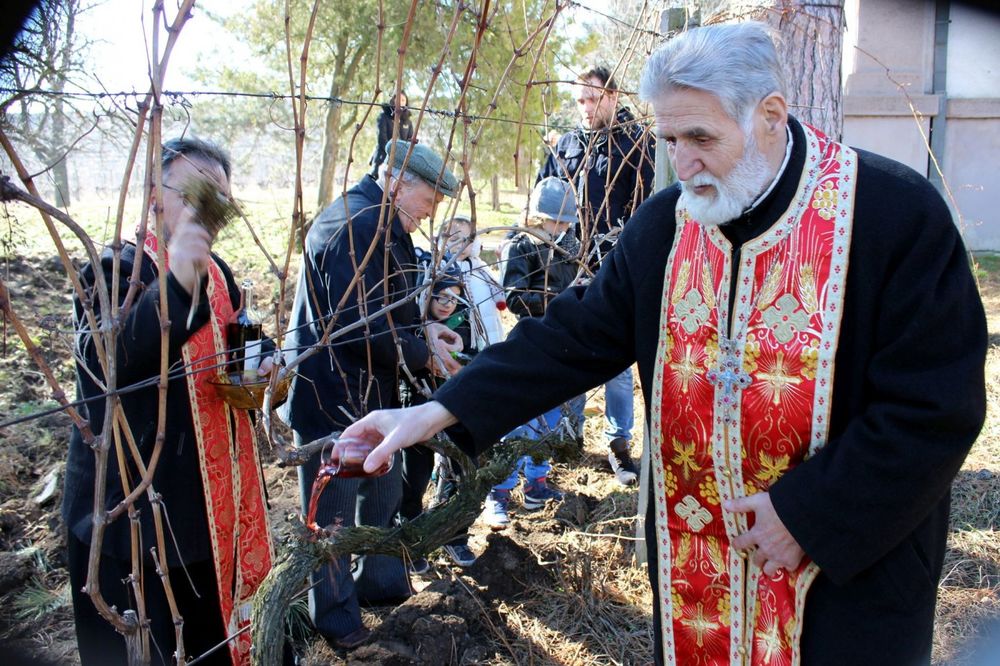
(244,333)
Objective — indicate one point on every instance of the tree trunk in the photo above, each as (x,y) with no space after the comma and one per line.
(60,180)
(58,142)
(810,48)
(331,148)
(495,192)
(344,73)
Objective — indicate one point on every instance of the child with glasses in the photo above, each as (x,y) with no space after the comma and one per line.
(447,304)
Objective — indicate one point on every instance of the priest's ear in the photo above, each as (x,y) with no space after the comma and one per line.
(774,112)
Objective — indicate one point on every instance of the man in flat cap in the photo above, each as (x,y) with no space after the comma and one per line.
(358,259)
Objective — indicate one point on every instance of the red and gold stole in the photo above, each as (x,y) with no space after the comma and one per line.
(739,399)
(230,470)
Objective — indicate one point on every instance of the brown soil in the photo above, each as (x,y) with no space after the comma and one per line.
(558,586)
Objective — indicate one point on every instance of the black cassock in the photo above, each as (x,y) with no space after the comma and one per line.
(871,507)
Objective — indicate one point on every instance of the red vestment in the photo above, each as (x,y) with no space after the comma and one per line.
(740,398)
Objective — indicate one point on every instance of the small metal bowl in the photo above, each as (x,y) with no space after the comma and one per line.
(250,395)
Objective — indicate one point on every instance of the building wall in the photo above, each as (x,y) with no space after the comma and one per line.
(890,106)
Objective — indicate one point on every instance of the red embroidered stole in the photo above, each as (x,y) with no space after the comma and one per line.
(739,399)
(230,470)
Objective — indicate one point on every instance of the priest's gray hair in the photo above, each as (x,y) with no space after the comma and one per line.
(737,63)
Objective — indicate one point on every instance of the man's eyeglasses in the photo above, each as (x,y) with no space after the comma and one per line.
(186,198)
(179,191)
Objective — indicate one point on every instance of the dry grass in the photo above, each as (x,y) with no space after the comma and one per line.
(598,609)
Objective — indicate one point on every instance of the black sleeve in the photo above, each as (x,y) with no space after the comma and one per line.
(138,344)
(522,280)
(923,397)
(336,270)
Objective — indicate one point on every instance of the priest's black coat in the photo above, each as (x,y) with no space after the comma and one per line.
(178,473)
(871,508)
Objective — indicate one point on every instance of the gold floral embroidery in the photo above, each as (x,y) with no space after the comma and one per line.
(789,629)
(771,468)
(715,555)
(807,289)
(670,479)
(712,351)
(723,605)
(771,283)
(825,200)
(709,491)
(751,352)
(676,602)
(707,287)
(810,358)
(685,458)
(681,284)
(683,551)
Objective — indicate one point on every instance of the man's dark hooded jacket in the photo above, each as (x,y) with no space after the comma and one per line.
(612,169)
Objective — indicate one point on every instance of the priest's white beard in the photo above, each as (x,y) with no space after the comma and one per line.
(733,194)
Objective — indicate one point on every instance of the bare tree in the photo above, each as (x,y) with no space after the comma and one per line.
(46,56)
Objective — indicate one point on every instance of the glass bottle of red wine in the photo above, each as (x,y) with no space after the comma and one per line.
(244,333)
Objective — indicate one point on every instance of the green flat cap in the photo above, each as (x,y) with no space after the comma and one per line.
(425,164)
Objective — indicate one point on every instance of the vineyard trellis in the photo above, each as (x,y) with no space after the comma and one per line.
(461,128)
(105,307)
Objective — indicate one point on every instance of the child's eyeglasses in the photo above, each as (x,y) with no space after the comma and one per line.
(445,299)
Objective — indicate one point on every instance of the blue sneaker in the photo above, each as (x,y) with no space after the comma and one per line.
(537,492)
(419,566)
(460,554)
(495,511)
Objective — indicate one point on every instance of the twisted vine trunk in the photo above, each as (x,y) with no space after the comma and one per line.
(305,551)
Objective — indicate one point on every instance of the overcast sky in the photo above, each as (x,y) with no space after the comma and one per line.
(117,28)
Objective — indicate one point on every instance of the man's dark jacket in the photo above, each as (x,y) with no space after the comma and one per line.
(871,507)
(612,169)
(178,473)
(536,272)
(358,371)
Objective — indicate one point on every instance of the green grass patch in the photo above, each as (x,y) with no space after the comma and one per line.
(37,601)
(987,265)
